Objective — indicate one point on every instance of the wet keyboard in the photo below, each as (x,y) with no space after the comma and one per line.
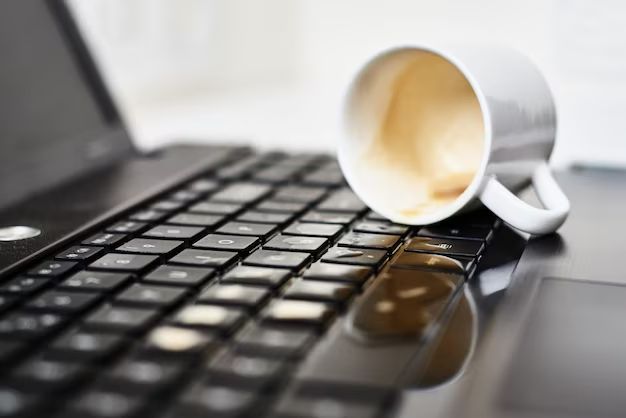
(213,299)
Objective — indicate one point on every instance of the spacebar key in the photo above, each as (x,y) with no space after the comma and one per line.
(385,329)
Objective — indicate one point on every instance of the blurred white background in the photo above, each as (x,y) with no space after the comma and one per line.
(273,72)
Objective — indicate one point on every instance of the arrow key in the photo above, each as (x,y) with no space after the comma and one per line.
(209,258)
(150,246)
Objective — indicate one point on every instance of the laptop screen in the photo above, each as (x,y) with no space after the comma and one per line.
(56,119)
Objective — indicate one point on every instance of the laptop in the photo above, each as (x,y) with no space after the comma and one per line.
(219,281)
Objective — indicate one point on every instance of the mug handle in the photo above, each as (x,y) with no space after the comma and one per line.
(519,214)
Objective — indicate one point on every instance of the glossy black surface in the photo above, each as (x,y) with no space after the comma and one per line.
(57,120)
(573,325)
(587,249)
(83,203)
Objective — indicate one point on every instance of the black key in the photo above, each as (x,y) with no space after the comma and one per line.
(306,407)
(381,228)
(9,350)
(330,165)
(220,318)
(271,157)
(306,159)
(250,229)
(79,253)
(20,324)
(179,275)
(16,402)
(324,176)
(24,285)
(313,229)
(100,403)
(299,194)
(53,268)
(148,295)
(314,399)
(227,242)
(123,262)
(242,192)
(277,173)
(216,208)
(274,342)
(185,196)
(121,319)
(196,219)
(94,281)
(296,312)
(47,375)
(174,232)
(167,205)
(452,231)
(269,258)
(296,243)
(7,302)
(104,239)
(126,227)
(210,400)
(363,256)
(365,240)
(259,276)
(209,258)
(338,273)
(295,164)
(204,186)
(449,246)
(84,345)
(328,217)
(481,218)
(148,215)
(435,262)
(265,217)
(248,297)
(143,376)
(342,200)
(168,342)
(240,168)
(150,246)
(240,370)
(281,207)
(322,291)
(63,302)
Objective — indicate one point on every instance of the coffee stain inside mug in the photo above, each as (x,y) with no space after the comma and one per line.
(430,138)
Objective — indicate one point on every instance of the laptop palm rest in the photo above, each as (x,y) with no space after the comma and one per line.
(571,357)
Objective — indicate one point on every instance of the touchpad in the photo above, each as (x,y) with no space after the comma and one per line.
(572,355)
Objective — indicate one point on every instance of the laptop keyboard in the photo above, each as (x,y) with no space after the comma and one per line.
(206,300)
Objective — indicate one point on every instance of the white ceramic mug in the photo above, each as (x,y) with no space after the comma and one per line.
(429,133)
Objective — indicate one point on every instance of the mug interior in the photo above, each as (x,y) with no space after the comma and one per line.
(416,136)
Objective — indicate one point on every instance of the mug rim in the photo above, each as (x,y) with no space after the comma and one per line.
(478,180)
